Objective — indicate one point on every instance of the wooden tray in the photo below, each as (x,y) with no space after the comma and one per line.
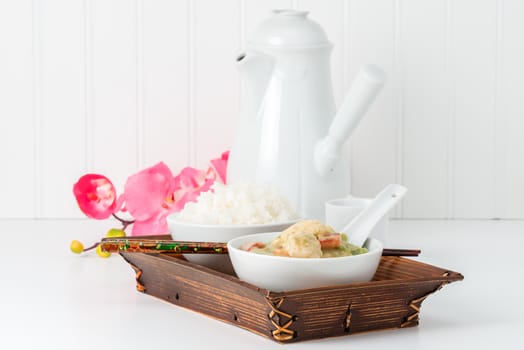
(391,300)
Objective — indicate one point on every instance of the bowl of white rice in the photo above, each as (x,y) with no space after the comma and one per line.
(229,211)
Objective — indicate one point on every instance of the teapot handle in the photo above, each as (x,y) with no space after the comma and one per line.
(362,93)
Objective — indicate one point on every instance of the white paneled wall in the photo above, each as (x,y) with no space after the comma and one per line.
(113,86)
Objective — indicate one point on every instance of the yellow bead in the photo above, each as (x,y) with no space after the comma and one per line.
(101,253)
(115,233)
(77,247)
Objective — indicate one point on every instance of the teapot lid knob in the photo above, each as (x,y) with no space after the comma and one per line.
(288,29)
(291,13)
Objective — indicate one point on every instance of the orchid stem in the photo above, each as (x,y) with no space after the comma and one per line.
(125,223)
(91,247)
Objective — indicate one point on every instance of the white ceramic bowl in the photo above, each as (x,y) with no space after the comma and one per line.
(184,231)
(277,273)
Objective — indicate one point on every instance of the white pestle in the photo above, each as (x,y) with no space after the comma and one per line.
(360,227)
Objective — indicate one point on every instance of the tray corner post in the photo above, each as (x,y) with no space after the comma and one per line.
(139,286)
(138,273)
(281,320)
(415,304)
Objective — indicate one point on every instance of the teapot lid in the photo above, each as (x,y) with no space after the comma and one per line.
(289,29)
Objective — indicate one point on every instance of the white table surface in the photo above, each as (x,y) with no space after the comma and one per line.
(51,298)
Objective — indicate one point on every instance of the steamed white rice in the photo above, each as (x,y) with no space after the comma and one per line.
(237,204)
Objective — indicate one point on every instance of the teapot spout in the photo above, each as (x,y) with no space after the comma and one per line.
(362,93)
(255,70)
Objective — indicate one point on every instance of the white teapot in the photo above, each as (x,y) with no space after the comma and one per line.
(289,133)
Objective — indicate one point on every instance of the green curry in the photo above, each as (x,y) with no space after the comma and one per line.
(344,248)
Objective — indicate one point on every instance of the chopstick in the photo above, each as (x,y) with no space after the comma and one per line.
(157,246)
(137,245)
(400,252)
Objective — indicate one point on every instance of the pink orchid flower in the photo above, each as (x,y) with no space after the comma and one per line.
(95,195)
(149,195)
(149,198)
(220,166)
(191,182)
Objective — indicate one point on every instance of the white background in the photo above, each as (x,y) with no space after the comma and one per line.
(113,86)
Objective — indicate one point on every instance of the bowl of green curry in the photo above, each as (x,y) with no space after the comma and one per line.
(265,261)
